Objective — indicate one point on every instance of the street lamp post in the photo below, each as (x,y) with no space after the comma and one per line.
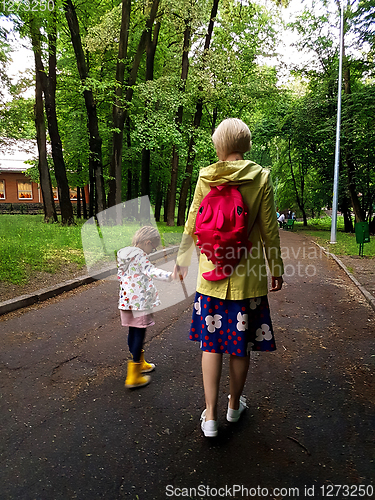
(337,150)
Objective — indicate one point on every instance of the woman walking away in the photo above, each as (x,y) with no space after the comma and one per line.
(232,218)
(138,296)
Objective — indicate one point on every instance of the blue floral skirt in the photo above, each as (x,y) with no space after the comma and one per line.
(232,326)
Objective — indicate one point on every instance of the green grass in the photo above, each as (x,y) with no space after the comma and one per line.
(320,231)
(27,245)
(170,235)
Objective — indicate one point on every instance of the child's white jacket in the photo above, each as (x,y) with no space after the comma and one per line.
(136,274)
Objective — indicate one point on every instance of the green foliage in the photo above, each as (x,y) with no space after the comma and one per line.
(324,223)
(4,60)
(293,127)
(17,119)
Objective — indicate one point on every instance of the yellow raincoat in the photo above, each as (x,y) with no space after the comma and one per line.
(249,279)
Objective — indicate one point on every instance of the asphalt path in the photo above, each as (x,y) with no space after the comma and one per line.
(70,430)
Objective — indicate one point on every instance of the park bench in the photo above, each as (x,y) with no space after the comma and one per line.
(288,224)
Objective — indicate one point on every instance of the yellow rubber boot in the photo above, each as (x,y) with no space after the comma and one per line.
(145,367)
(134,377)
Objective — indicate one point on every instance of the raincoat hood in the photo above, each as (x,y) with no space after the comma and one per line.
(235,172)
(127,255)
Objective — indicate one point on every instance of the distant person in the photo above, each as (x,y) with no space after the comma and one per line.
(293,216)
(231,315)
(138,296)
(281,220)
(289,215)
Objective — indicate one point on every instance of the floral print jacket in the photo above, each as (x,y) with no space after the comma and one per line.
(136,274)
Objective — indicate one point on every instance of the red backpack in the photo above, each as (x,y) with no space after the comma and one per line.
(221,227)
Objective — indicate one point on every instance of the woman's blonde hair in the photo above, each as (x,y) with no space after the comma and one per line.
(231,136)
(146,233)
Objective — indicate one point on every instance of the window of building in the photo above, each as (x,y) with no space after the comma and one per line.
(2,190)
(73,194)
(25,190)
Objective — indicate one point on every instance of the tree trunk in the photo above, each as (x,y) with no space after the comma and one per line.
(92,196)
(79,214)
(349,158)
(151,43)
(196,123)
(132,188)
(84,206)
(130,173)
(345,210)
(145,182)
(66,208)
(121,113)
(129,195)
(165,207)
(114,194)
(44,175)
(189,166)
(214,120)
(172,192)
(299,198)
(158,201)
(95,141)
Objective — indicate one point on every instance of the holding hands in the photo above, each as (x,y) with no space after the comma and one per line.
(276,283)
(179,272)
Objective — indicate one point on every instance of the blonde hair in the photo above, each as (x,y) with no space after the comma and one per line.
(231,136)
(146,233)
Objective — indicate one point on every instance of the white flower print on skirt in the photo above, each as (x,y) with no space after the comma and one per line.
(232,326)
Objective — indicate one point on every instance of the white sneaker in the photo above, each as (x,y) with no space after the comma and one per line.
(209,427)
(234,415)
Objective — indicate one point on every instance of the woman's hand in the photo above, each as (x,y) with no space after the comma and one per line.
(179,272)
(277,283)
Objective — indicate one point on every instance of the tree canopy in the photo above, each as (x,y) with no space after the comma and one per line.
(132,91)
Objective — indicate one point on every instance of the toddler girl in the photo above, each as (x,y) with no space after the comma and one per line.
(138,296)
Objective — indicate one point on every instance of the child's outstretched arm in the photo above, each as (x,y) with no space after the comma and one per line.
(154,272)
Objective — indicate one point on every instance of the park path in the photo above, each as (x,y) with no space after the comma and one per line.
(70,429)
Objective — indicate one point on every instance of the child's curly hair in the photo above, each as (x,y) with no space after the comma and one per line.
(146,233)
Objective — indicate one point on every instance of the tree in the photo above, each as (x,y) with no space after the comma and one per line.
(95,141)
(44,175)
(315,35)
(48,85)
(114,195)
(178,120)
(151,44)
(121,110)
(348,146)
(196,123)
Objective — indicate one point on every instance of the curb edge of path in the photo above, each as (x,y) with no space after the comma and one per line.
(370,299)
(52,291)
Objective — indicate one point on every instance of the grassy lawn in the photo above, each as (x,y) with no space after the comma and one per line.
(27,244)
(320,231)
